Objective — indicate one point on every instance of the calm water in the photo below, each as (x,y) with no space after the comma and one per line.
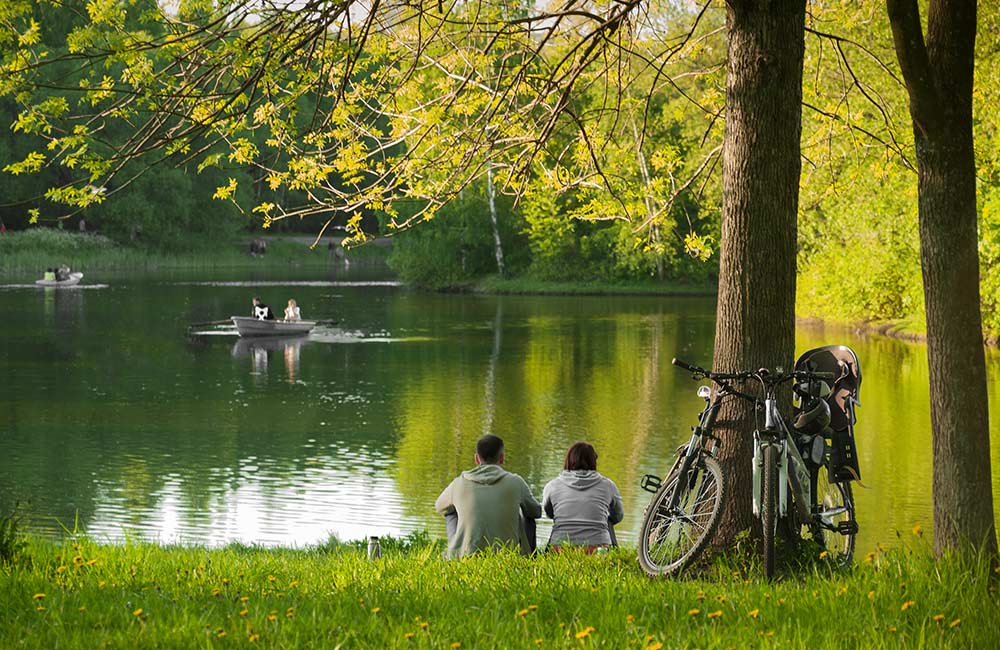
(115,423)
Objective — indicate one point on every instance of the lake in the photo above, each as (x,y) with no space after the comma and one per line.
(115,423)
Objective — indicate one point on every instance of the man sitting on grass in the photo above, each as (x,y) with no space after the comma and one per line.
(488,506)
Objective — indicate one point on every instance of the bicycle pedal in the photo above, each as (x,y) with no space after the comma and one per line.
(650,483)
(847,527)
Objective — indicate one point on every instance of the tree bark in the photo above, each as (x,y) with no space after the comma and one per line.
(939,80)
(491,195)
(755,324)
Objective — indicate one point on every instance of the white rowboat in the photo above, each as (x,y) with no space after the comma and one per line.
(73,278)
(247,326)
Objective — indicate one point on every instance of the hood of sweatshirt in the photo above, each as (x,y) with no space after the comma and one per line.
(579,479)
(486,474)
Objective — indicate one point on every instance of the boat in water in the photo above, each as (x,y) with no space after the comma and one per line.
(73,279)
(247,326)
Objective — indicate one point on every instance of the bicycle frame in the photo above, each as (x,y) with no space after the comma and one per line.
(792,469)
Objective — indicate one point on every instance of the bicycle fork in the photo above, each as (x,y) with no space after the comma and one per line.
(791,468)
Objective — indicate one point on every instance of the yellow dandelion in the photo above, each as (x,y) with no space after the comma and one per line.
(870,557)
(78,560)
(101,584)
(823,555)
(220,633)
(408,635)
(60,569)
(892,629)
(649,637)
(538,642)
(456,644)
(629,618)
(532,607)
(754,613)
(716,614)
(522,612)
(955,623)
(700,595)
(38,596)
(907,605)
(83,609)
(216,591)
(244,612)
(585,632)
(593,590)
(39,609)
(376,610)
(225,581)
(271,578)
(841,591)
(254,637)
(694,612)
(201,567)
(937,618)
(655,646)
(781,601)
(423,625)
(917,529)
(244,599)
(293,584)
(272,617)
(871,595)
(92,561)
(137,612)
(721,598)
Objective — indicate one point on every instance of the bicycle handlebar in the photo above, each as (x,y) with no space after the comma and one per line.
(771,377)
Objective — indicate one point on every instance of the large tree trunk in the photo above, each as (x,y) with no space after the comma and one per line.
(755,325)
(939,79)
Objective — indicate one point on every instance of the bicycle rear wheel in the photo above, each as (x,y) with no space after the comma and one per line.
(672,538)
(768,507)
(834,506)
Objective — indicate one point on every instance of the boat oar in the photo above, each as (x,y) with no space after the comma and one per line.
(211,323)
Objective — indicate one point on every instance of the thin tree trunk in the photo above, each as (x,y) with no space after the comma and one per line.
(755,324)
(939,79)
(491,195)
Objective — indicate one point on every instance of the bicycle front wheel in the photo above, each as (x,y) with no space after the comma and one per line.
(672,538)
(768,507)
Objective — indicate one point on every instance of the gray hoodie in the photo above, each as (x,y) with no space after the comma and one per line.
(582,503)
(489,501)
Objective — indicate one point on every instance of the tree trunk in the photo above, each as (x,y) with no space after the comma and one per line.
(755,324)
(491,195)
(939,79)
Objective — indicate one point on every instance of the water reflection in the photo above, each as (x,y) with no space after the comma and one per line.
(114,419)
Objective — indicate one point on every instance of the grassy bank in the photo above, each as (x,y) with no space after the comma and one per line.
(32,251)
(525,285)
(88,595)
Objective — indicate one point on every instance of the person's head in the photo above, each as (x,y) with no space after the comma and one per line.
(256,301)
(581,455)
(489,450)
(292,303)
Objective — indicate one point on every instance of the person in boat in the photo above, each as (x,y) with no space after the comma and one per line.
(62,273)
(583,505)
(292,312)
(487,506)
(261,311)
(49,275)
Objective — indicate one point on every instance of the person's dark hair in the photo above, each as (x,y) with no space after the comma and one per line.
(489,448)
(581,455)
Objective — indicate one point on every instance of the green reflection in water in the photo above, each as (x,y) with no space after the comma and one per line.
(111,415)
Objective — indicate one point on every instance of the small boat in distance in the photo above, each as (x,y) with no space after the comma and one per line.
(73,279)
(247,326)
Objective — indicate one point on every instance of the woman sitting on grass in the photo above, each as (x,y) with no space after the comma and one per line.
(583,505)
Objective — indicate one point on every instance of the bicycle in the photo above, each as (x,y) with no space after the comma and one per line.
(684,511)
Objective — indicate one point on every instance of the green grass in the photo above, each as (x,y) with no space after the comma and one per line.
(32,251)
(86,595)
(527,285)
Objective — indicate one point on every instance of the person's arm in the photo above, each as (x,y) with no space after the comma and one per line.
(529,506)
(616,511)
(547,502)
(445,504)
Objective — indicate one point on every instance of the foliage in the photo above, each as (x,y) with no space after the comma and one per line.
(12,542)
(79,595)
